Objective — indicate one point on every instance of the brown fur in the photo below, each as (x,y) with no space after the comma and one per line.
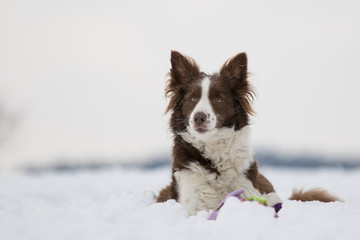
(258,180)
(315,194)
(184,71)
(169,192)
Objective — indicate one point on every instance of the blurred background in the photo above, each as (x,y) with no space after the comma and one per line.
(82,82)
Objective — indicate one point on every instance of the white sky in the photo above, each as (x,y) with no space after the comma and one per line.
(87,77)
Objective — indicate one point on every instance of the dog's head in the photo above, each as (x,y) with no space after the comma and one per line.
(203,103)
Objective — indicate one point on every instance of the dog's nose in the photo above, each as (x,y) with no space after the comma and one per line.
(200,118)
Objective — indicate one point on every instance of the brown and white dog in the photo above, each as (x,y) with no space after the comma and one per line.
(212,155)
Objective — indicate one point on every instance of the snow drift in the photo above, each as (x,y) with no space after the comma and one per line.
(120,204)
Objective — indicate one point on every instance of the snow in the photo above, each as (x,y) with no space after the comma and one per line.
(120,204)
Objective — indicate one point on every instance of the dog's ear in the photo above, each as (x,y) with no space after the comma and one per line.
(183,72)
(234,72)
(235,69)
(183,68)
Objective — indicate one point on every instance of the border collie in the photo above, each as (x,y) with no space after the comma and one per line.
(212,156)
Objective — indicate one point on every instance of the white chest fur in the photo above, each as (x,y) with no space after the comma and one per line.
(231,154)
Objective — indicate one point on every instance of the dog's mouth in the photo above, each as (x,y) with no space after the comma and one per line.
(201,130)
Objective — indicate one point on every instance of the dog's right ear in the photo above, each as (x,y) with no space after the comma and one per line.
(183,72)
(183,68)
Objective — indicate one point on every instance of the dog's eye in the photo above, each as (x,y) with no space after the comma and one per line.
(194,99)
(218,100)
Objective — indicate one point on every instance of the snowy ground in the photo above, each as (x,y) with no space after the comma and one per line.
(120,204)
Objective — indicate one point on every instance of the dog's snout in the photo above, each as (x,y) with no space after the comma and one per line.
(200,118)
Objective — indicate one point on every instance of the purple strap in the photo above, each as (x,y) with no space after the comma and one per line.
(237,194)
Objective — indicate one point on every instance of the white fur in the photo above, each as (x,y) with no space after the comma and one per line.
(204,106)
(231,154)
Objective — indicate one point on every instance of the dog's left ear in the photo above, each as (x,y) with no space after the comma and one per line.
(235,69)
(235,73)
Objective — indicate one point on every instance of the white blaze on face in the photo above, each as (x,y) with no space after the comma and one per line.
(204,106)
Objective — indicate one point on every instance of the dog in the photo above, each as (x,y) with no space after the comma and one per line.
(212,156)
